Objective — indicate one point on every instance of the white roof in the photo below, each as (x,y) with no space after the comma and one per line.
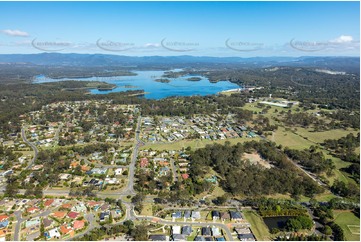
(176,230)
(54,233)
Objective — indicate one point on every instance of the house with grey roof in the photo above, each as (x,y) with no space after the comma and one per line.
(187,230)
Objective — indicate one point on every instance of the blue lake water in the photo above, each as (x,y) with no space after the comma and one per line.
(145,80)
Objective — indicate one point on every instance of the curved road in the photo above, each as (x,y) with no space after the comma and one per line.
(166,222)
(32,146)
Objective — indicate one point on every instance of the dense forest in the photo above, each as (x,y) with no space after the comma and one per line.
(239,177)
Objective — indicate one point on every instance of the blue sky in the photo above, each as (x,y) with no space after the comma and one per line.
(182,28)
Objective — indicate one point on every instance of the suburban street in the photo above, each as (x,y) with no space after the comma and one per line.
(129,190)
(20,220)
(31,163)
(199,224)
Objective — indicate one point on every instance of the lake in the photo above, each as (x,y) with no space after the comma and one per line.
(145,80)
(276,222)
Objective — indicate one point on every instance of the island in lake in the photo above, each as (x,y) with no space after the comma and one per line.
(162,80)
(194,79)
(106,87)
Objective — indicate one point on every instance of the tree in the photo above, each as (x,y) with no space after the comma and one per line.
(314,203)
(42,231)
(222,199)
(337,232)
(306,222)
(11,189)
(293,225)
(327,230)
(110,220)
(140,233)
(129,225)
(38,192)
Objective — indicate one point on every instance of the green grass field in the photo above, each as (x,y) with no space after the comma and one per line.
(147,209)
(320,137)
(349,223)
(289,139)
(258,227)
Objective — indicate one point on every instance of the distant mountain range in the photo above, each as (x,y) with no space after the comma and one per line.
(57,59)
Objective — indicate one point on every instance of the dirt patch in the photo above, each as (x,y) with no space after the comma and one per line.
(256,159)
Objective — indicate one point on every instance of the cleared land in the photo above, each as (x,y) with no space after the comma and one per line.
(320,137)
(258,227)
(289,139)
(147,209)
(194,144)
(256,159)
(349,223)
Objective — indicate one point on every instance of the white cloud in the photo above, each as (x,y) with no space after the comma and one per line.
(342,39)
(14,32)
(152,45)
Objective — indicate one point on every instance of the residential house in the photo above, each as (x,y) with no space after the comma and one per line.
(144,162)
(196,215)
(79,224)
(4,224)
(33,209)
(187,214)
(176,230)
(3,217)
(187,230)
(236,216)
(157,237)
(215,215)
(206,231)
(185,176)
(104,207)
(59,214)
(65,229)
(53,233)
(199,238)
(242,230)
(67,205)
(118,171)
(215,231)
(179,237)
(220,238)
(73,215)
(48,202)
(80,208)
(64,176)
(103,216)
(246,237)
(98,171)
(164,170)
(177,214)
(34,222)
(225,216)
(47,222)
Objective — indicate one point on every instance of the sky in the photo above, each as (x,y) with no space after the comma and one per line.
(243,29)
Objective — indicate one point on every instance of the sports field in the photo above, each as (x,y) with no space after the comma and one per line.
(349,223)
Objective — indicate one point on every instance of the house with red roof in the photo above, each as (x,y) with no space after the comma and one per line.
(144,162)
(3,217)
(73,215)
(59,214)
(32,209)
(185,176)
(79,224)
(65,229)
(67,205)
(48,202)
